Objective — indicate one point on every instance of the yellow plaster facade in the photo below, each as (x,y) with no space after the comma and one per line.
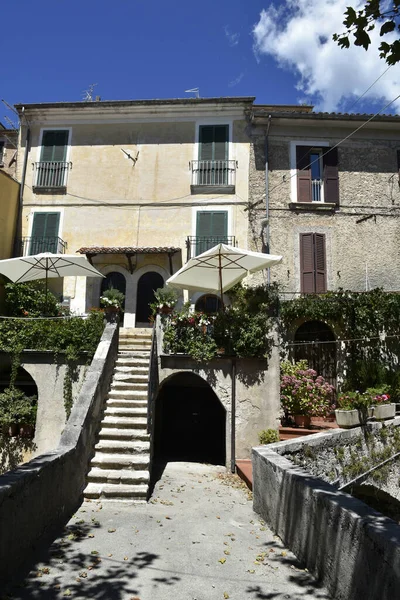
(128,182)
(9,197)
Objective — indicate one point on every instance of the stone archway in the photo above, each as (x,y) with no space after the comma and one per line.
(316,343)
(116,280)
(190,421)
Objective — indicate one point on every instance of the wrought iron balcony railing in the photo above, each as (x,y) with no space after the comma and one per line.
(214,174)
(195,245)
(37,245)
(316,190)
(51,174)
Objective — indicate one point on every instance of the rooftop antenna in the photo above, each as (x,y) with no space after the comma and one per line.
(12,123)
(194,91)
(88,94)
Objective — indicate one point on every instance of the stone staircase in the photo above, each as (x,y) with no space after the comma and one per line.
(120,467)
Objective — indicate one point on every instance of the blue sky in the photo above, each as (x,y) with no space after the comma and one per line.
(133,49)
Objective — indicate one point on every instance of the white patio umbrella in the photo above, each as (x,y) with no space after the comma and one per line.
(220,268)
(45,266)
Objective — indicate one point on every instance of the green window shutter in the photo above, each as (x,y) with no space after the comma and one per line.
(54,145)
(45,232)
(211,229)
(213,142)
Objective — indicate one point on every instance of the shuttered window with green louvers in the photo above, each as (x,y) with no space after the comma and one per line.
(213,154)
(211,229)
(45,232)
(54,145)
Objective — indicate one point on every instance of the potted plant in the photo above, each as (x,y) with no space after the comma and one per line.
(112,301)
(165,300)
(353,409)
(17,411)
(381,406)
(304,393)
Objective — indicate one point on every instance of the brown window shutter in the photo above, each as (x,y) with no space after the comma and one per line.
(320,263)
(331,177)
(307,280)
(303,174)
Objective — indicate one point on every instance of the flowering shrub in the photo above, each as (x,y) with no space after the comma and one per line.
(304,392)
(379,395)
(354,400)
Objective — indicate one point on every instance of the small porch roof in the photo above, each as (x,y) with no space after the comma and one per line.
(129,251)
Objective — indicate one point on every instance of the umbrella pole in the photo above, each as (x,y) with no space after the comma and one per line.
(220,281)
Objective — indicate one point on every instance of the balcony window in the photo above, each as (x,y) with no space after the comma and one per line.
(52,169)
(211,229)
(317,175)
(45,230)
(213,171)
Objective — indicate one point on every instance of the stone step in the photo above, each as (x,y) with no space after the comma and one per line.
(116,492)
(126,476)
(128,394)
(123,446)
(121,461)
(137,367)
(113,433)
(122,411)
(139,386)
(129,375)
(119,422)
(124,403)
(132,355)
(136,342)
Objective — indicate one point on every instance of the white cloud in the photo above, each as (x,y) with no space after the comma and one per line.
(233,38)
(298,35)
(237,80)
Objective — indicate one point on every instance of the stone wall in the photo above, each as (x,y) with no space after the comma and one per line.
(257,392)
(369,197)
(352,549)
(37,498)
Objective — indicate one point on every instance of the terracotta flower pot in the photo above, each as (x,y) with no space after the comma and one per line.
(302,421)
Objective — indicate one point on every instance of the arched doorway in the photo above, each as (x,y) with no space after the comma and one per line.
(114,280)
(190,422)
(320,356)
(147,284)
(209,304)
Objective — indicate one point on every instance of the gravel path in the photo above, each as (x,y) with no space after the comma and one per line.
(197,539)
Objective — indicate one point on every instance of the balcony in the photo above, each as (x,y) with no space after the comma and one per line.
(195,245)
(213,176)
(37,245)
(316,190)
(51,176)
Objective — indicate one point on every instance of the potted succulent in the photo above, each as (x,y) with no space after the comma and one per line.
(304,393)
(381,406)
(112,301)
(353,409)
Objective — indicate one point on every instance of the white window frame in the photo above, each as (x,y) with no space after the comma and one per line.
(316,144)
(40,144)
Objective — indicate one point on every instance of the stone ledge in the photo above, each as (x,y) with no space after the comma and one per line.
(312,206)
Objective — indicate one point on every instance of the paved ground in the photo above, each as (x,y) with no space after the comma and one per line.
(197,539)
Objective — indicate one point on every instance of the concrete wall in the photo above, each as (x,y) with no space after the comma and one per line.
(352,549)
(49,379)
(9,198)
(368,187)
(37,498)
(257,392)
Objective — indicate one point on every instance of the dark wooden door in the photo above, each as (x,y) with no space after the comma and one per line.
(147,285)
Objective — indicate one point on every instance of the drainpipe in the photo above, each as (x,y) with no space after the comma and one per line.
(233,416)
(21,189)
(267,195)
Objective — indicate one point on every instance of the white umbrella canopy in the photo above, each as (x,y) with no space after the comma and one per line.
(47,265)
(220,268)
